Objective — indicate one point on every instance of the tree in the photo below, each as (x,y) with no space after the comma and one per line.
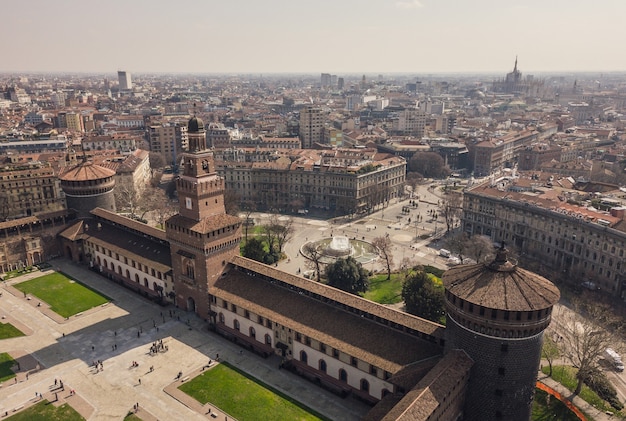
(429,165)
(157,162)
(587,331)
(385,249)
(422,297)
(459,244)
(550,351)
(131,199)
(162,208)
(231,201)
(254,249)
(480,248)
(450,209)
(412,179)
(314,256)
(348,275)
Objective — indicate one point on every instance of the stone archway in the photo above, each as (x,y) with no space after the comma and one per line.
(191,305)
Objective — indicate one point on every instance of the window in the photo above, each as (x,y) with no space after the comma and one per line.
(353,361)
(303,357)
(343,375)
(322,366)
(335,353)
(236,324)
(252,332)
(373,370)
(268,339)
(365,386)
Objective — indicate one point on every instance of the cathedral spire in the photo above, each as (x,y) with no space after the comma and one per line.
(515,67)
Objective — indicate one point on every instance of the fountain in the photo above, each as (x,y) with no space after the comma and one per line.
(333,248)
(339,247)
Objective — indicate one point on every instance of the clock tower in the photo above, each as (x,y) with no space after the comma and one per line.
(202,236)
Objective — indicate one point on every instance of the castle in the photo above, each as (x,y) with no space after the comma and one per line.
(482,366)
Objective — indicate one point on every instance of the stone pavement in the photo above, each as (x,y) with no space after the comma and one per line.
(119,334)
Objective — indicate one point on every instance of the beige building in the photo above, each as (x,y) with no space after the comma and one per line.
(311,126)
(342,180)
(573,244)
(169,140)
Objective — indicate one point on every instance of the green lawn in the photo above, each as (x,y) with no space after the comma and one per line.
(7,330)
(44,411)
(554,409)
(566,375)
(64,295)
(244,398)
(385,291)
(131,417)
(6,362)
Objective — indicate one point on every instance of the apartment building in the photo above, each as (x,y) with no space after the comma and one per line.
(341,180)
(169,140)
(538,216)
(29,188)
(311,126)
(500,152)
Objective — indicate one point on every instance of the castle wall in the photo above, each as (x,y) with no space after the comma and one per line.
(503,377)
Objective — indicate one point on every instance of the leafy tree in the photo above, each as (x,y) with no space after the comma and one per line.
(385,249)
(254,249)
(348,275)
(429,165)
(422,297)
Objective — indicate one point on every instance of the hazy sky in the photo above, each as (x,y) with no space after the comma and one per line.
(335,36)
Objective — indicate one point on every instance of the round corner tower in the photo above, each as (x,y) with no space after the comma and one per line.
(88,186)
(497,313)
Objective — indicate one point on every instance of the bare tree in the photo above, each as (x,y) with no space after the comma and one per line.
(231,201)
(162,207)
(385,249)
(550,351)
(248,206)
(127,197)
(450,209)
(314,256)
(157,162)
(284,233)
(587,331)
(458,243)
(480,248)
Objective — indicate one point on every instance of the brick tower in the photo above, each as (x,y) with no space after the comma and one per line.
(497,313)
(202,236)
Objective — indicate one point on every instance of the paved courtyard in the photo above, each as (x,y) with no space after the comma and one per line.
(118,334)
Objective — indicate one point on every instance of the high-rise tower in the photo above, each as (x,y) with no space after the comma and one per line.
(497,313)
(202,236)
(124,80)
(311,126)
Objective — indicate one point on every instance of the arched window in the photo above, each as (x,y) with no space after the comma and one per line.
(145,283)
(343,375)
(385,392)
(252,332)
(106,264)
(303,357)
(127,273)
(221,317)
(136,278)
(112,266)
(100,263)
(365,386)
(236,324)
(119,270)
(322,366)
(268,339)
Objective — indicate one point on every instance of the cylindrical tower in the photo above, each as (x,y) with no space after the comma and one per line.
(497,313)
(88,186)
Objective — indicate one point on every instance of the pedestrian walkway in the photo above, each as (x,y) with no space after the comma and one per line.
(122,333)
(579,402)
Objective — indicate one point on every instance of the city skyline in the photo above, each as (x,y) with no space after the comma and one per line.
(276,36)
